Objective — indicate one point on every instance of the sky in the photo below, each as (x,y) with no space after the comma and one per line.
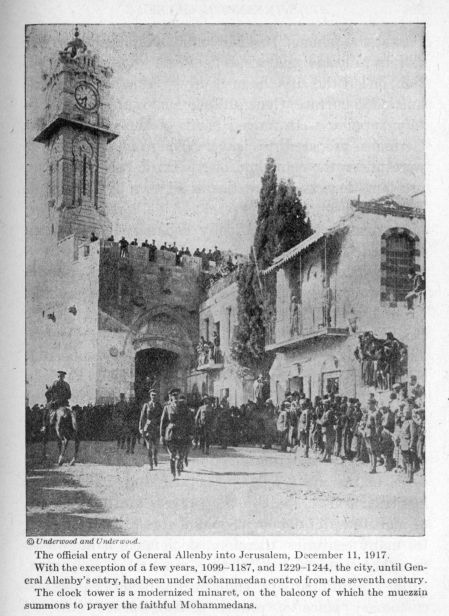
(199,108)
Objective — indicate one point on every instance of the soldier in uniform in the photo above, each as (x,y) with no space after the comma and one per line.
(408,438)
(60,391)
(59,394)
(327,423)
(149,423)
(118,420)
(371,434)
(304,422)
(203,421)
(61,415)
(172,431)
(188,422)
(131,423)
(283,424)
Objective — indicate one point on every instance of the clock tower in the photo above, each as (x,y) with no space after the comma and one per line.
(76,132)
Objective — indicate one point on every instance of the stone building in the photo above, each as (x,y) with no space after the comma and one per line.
(348,281)
(219,376)
(120,322)
(112,321)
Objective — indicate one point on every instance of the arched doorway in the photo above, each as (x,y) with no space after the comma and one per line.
(162,350)
(156,368)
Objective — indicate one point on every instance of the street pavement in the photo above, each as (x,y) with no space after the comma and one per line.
(237,491)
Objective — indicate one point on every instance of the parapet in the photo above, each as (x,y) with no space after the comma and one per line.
(140,256)
(387,206)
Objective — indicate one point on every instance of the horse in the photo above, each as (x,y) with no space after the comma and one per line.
(66,429)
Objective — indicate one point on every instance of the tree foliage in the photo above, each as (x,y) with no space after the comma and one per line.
(249,343)
(290,222)
(281,224)
(264,237)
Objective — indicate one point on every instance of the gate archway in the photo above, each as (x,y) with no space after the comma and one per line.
(163,352)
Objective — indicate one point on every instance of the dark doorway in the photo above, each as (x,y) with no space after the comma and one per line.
(156,368)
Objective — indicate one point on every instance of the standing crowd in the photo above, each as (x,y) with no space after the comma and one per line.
(388,432)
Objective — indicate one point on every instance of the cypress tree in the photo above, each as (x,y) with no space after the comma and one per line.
(249,343)
(264,236)
(281,224)
(290,222)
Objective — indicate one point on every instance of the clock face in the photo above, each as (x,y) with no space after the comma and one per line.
(86,96)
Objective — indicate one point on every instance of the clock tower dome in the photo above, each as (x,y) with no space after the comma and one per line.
(76,132)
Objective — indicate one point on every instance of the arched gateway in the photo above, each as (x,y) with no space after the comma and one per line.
(162,349)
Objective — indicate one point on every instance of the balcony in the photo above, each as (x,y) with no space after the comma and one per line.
(291,330)
(209,359)
(210,366)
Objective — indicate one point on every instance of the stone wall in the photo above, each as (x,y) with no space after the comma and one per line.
(131,286)
(145,304)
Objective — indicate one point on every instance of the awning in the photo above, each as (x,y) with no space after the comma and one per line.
(302,246)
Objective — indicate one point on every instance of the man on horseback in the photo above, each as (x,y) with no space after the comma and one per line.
(149,423)
(62,416)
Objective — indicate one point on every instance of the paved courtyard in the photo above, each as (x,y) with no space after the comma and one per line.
(238,491)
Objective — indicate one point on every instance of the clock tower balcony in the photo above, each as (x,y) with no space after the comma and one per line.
(62,120)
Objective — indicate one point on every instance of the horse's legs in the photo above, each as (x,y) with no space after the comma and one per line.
(62,445)
(76,440)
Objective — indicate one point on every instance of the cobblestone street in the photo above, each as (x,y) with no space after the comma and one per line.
(238,491)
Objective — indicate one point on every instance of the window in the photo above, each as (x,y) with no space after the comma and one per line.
(296,383)
(330,382)
(332,385)
(398,259)
(84,174)
(229,324)
(206,329)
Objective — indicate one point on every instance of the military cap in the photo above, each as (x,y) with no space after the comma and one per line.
(62,372)
(152,391)
(173,391)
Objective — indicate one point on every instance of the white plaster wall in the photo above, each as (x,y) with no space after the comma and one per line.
(215,309)
(357,284)
(69,343)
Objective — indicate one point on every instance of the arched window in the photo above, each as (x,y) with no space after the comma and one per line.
(84,174)
(399,250)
